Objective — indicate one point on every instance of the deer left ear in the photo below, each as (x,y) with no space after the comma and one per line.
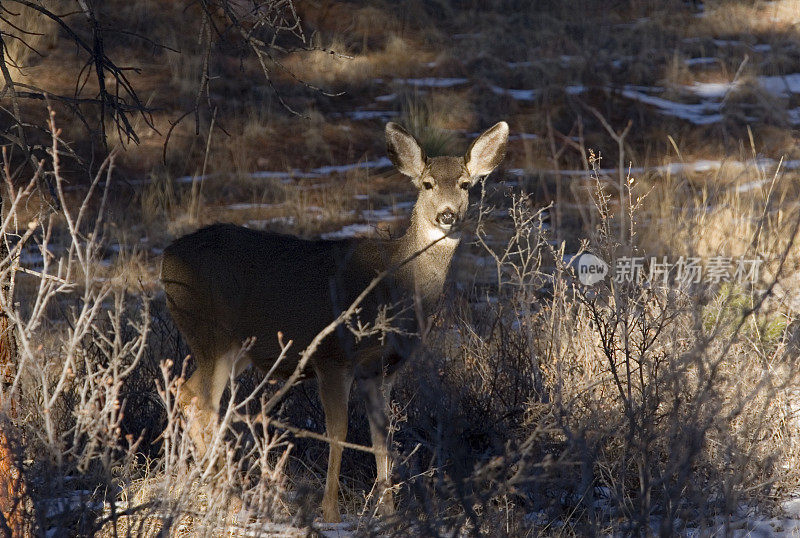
(404,152)
(487,151)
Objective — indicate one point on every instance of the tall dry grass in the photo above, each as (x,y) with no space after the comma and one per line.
(550,407)
(93,386)
(539,405)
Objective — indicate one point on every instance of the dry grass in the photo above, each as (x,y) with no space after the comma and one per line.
(537,408)
(29,39)
(397,58)
(753,18)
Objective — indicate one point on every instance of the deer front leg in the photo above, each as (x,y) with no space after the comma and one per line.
(334,392)
(376,392)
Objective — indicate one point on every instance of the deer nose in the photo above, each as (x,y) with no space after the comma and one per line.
(447,217)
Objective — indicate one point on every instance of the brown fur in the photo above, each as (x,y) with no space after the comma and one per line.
(226,283)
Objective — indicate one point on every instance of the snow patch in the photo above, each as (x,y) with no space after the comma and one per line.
(383,162)
(712,96)
(700,61)
(432,82)
(519,95)
(377,215)
(781,85)
(267,174)
(246,206)
(710,90)
(192,179)
(351,230)
(523,136)
(361,115)
(764,164)
(704,113)
(261,224)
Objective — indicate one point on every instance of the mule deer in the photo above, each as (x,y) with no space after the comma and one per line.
(225,284)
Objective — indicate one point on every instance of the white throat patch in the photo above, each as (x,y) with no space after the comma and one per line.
(434,233)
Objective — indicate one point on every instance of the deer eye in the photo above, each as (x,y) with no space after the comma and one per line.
(427,184)
(465,185)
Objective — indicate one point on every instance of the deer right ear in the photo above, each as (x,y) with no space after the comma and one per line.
(487,151)
(404,151)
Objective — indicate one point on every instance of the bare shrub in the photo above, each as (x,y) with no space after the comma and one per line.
(87,404)
(634,406)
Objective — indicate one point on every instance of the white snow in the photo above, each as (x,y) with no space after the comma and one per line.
(344,529)
(383,162)
(645,89)
(192,179)
(532,94)
(727,42)
(703,113)
(752,185)
(781,85)
(432,82)
(376,215)
(72,500)
(765,165)
(760,47)
(519,95)
(267,174)
(701,61)
(372,217)
(361,115)
(246,206)
(260,224)
(351,230)
(712,95)
(710,90)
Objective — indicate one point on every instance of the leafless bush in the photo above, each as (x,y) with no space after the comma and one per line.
(632,407)
(81,343)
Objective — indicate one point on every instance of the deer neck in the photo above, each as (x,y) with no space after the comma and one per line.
(427,271)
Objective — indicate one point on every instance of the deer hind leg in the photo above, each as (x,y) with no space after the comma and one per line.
(376,391)
(200,396)
(334,393)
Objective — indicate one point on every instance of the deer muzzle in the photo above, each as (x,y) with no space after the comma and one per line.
(446,218)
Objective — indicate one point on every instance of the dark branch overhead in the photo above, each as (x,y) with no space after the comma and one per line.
(105,97)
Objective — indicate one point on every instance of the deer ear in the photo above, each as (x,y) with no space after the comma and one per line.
(487,151)
(404,151)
